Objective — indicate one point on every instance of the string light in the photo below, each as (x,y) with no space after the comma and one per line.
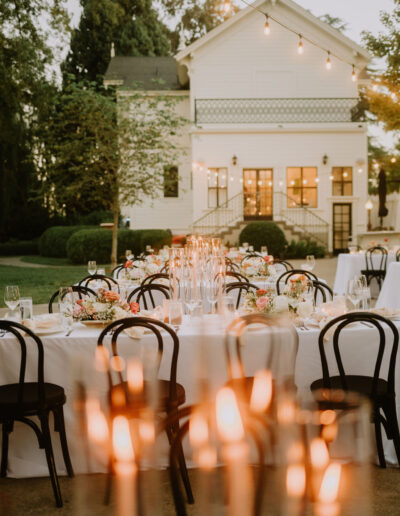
(328,61)
(393,96)
(267,28)
(375,87)
(226,6)
(353,74)
(300,48)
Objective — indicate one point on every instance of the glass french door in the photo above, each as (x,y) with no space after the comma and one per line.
(257,192)
(341,226)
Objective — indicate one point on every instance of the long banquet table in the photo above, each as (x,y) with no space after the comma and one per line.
(389,296)
(71,358)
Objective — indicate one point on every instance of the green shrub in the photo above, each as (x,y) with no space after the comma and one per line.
(157,238)
(19,248)
(302,248)
(53,242)
(266,233)
(95,218)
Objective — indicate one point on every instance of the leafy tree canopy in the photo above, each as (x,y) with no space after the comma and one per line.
(379,157)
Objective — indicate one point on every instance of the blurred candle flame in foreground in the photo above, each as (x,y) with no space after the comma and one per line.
(207,457)
(122,444)
(296,480)
(330,483)
(229,422)
(198,430)
(96,421)
(319,453)
(135,376)
(261,393)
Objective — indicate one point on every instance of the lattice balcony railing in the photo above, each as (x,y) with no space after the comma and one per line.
(277,110)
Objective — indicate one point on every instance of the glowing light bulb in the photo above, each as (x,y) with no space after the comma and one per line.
(375,87)
(328,62)
(393,160)
(267,28)
(300,48)
(331,178)
(393,96)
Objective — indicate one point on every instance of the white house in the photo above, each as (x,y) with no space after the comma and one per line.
(274,133)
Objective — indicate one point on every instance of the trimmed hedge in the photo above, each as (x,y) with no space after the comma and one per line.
(264,232)
(302,248)
(53,242)
(95,244)
(19,248)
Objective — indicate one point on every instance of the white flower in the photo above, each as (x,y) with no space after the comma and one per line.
(281,304)
(305,309)
(99,307)
(272,271)
(152,268)
(119,313)
(251,271)
(136,273)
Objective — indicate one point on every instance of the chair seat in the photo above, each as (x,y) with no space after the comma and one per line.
(164,404)
(54,396)
(369,272)
(359,384)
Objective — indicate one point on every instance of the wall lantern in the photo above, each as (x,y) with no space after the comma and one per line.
(234,160)
(325,159)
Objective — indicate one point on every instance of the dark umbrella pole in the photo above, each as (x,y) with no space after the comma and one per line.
(383,211)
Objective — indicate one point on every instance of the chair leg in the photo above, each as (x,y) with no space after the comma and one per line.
(59,417)
(4,449)
(183,469)
(107,494)
(44,422)
(391,418)
(379,445)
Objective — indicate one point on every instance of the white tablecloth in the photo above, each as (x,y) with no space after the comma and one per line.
(389,296)
(71,358)
(350,265)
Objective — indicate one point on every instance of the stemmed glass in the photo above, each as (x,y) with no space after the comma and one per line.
(309,264)
(175,314)
(353,292)
(92,267)
(212,292)
(190,293)
(66,307)
(364,291)
(11,297)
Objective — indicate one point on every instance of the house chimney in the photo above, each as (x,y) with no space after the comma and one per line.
(112,50)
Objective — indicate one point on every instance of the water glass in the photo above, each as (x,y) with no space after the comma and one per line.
(11,296)
(66,305)
(310,260)
(353,292)
(365,292)
(92,267)
(26,307)
(102,272)
(128,254)
(264,249)
(175,314)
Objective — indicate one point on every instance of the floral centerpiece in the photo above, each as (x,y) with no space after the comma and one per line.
(259,301)
(143,268)
(107,307)
(261,266)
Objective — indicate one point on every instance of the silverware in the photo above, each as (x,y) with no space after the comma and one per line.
(69,332)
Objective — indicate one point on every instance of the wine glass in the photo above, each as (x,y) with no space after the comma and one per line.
(11,296)
(128,254)
(212,293)
(264,250)
(66,306)
(190,294)
(175,314)
(310,260)
(92,267)
(353,292)
(365,292)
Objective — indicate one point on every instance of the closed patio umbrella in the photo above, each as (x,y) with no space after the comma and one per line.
(383,211)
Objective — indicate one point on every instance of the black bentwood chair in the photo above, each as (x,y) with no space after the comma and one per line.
(283,264)
(144,295)
(231,266)
(398,255)
(117,270)
(380,391)
(170,394)
(284,278)
(110,282)
(23,400)
(375,270)
(80,291)
(154,277)
(240,287)
(322,292)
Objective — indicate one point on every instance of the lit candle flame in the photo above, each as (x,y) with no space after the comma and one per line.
(229,421)
(147,431)
(261,393)
(319,453)
(198,430)
(134,376)
(96,421)
(330,484)
(122,444)
(296,480)
(207,457)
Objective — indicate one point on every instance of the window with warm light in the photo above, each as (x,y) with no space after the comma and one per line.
(302,187)
(171,182)
(342,182)
(217,187)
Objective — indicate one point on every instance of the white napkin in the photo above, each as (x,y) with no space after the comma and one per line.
(43,322)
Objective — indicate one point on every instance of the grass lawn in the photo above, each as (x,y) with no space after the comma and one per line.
(39,283)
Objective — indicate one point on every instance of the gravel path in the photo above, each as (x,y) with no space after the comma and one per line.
(16,261)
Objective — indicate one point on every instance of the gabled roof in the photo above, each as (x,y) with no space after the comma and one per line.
(149,73)
(266,7)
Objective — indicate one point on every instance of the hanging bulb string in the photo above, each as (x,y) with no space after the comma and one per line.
(303,38)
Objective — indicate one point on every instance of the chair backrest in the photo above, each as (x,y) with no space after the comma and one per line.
(381,255)
(284,278)
(81,291)
(398,255)
(341,322)
(240,287)
(144,293)
(154,277)
(251,256)
(322,290)
(110,282)
(117,270)
(283,263)
(237,275)
(231,266)
(18,330)
(279,332)
(117,327)
(165,268)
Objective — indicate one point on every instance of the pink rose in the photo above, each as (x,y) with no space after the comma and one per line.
(262,303)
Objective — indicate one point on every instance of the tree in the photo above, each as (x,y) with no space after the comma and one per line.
(196,18)
(25,88)
(111,160)
(379,157)
(333,21)
(132,25)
